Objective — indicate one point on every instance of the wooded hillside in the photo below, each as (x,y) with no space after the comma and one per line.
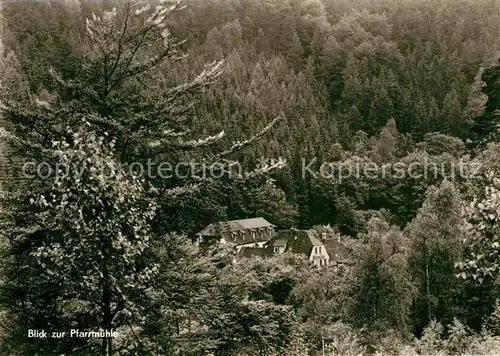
(299,95)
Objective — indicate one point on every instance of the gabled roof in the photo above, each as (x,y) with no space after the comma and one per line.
(297,241)
(235,226)
(341,250)
(337,248)
(314,240)
(280,243)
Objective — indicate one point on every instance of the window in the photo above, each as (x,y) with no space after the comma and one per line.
(316,250)
(275,249)
(321,262)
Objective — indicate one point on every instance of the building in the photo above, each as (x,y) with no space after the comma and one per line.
(341,251)
(296,241)
(243,233)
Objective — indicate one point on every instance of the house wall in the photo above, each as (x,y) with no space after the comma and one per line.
(248,236)
(319,256)
(279,249)
(252,244)
(244,238)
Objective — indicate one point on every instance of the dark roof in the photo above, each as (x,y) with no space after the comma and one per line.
(336,249)
(280,243)
(254,251)
(342,249)
(235,225)
(298,241)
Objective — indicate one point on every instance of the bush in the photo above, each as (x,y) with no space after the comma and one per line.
(431,342)
(341,339)
(459,341)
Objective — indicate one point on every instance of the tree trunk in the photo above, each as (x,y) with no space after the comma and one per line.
(427,282)
(106,303)
(323,343)
(427,288)
(107,319)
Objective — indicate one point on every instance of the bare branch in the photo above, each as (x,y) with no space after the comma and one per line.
(240,145)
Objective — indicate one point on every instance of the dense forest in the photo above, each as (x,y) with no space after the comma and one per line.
(278,88)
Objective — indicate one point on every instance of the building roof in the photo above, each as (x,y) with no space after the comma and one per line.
(235,226)
(280,243)
(254,251)
(314,240)
(297,241)
(341,250)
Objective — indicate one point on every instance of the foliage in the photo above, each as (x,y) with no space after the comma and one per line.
(382,289)
(458,341)
(410,88)
(97,206)
(336,339)
(103,272)
(436,234)
(485,127)
(484,258)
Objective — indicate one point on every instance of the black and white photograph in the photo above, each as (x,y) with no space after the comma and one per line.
(249,177)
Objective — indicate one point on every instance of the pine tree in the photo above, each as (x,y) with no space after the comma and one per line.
(295,52)
(485,126)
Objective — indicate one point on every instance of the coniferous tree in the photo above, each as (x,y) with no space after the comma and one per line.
(485,127)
